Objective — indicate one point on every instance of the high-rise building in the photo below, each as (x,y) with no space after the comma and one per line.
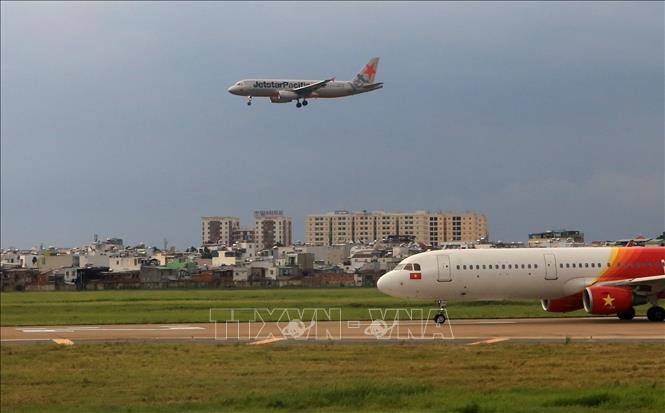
(218,230)
(272,228)
(433,228)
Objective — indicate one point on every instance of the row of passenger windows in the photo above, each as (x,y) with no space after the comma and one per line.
(497,266)
(561,265)
(609,265)
(580,265)
(416,267)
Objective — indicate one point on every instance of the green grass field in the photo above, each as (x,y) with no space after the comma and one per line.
(175,306)
(332,378)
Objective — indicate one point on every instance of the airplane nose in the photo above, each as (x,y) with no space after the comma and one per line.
(236,89)
(383,284)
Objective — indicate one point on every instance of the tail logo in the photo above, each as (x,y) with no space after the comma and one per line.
(369,70)
(365,76)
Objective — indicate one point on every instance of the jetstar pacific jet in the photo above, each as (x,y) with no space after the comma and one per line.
(602,280)
(284,91)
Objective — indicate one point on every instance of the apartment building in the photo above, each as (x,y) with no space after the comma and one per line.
(271,228)
(218,230)
(364,227)
(428,227)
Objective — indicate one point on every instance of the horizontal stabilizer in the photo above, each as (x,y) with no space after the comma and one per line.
(373,86)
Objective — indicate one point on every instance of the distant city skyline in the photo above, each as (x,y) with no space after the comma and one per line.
(243,225)
(116,120)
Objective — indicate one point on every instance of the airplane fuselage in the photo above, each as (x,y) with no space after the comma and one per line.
(271,87)
(525,273)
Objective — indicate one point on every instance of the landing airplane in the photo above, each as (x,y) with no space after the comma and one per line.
(602,280)
(283,91)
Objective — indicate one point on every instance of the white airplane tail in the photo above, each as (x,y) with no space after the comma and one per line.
(367,73)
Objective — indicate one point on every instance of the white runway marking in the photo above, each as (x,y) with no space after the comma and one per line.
(99,328)
(40,330)
(490,341)
(184,328)
(266,341)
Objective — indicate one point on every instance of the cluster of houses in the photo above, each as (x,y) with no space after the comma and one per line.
(111,265)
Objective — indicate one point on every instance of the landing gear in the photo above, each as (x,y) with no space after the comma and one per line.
(440,316)
(304,103)
(628,314)
(249,101)
(656,313)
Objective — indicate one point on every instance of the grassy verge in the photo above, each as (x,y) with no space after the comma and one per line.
(173,306)
(332,378)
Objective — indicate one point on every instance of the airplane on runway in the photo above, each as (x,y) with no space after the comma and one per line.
(284,90)
(602,280)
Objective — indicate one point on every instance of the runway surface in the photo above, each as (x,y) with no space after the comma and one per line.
(473,332)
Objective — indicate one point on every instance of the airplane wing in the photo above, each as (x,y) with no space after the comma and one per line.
(306,90)
(642,286)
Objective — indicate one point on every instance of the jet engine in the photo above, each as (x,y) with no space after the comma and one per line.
(610,300)
(563,304)
(283,96)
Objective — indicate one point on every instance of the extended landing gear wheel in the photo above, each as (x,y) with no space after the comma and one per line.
(304,102)
(439,318)
(249,101)
(628,314)
(298,105)
(656,313)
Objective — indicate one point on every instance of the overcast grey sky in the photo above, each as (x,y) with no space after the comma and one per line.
(116,119)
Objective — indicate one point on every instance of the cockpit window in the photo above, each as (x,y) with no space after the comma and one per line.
(408,267)
(416,267)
